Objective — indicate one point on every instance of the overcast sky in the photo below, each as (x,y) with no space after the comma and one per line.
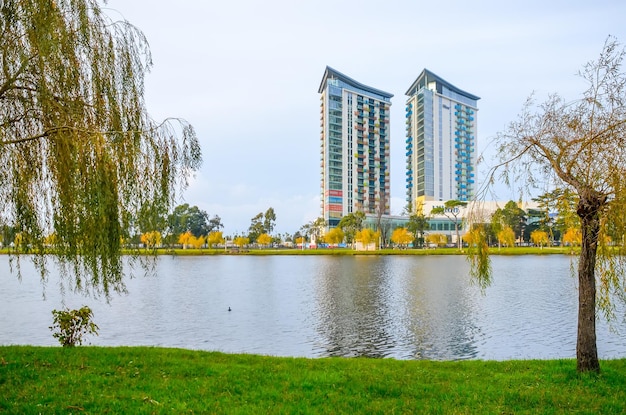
(246,73)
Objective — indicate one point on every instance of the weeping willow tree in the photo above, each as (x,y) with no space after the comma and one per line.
(579,146)
(79,154)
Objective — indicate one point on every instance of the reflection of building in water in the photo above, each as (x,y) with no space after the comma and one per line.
(441,309)
(400,308)
(354,308)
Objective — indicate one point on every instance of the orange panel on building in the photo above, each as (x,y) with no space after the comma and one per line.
(334,193)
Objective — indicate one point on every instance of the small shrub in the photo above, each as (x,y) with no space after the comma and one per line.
(70,326)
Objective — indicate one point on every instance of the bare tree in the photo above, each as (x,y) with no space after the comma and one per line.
(314,229)
(451,210)
(580,146)
(383,224)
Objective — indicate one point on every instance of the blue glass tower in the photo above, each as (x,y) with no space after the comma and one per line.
(440,141)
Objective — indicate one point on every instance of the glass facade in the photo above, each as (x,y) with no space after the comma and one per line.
(441,140)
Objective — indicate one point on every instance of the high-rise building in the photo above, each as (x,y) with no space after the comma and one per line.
(354,120)
(440,140)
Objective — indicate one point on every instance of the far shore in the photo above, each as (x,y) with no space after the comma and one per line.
(352,252)
(338,251)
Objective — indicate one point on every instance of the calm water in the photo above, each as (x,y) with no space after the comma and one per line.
(400,307)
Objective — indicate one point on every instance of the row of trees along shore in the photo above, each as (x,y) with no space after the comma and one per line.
(555,222)
(83,160)
(189,226)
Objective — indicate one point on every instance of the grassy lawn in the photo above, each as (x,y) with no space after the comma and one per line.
(92,380)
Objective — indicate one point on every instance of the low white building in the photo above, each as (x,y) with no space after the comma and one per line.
(474,212)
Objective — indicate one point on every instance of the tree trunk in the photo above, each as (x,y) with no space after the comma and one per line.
(586,347)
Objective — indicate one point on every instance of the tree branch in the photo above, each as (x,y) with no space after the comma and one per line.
(54,130)
(10,80)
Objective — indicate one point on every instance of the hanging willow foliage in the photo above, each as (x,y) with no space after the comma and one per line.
(79,154)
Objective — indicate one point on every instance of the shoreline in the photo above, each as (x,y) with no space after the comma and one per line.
(332,251)
(352,252)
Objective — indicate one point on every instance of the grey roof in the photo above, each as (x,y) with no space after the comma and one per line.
(430,76)
(332,73)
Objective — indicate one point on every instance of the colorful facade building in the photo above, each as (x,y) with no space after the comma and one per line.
(354,148)
(441,129)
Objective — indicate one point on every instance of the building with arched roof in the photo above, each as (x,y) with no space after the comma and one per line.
(441,129)
(354,147)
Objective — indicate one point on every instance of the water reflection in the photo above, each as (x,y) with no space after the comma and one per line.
(442,308)
(353,300)
(401,307)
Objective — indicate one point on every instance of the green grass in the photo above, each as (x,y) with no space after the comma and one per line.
(91,380)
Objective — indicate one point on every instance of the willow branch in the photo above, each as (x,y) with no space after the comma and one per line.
(47,133)
(11,80)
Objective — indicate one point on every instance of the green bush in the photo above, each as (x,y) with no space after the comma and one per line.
(70,326)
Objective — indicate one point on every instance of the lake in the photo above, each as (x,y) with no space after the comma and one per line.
(403,307)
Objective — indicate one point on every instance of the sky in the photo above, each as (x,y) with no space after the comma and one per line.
(246,73)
